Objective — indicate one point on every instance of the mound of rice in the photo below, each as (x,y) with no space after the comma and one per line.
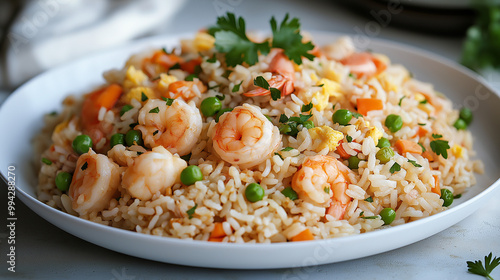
(193,211)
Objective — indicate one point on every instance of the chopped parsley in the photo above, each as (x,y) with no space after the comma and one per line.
(352,75)
(84,166)
(421,124)
(191,210)
(261,82)
(213,87)
(423,101)
(155,110)
(132,125)
(144,97)
(356,115)
(361,215)
(423,148)
(281,157)
(236,88)
(321,85)
(287,37)
(175,66)
(125,109)
(369,199)
(169,101)
(191,77)
(186,157)
(440,147)
(476,267)
(213,59)
(289,125)
(436,136)
(348,138)
(401,100)
(327,189)
(221,97)
(46,161)
(306,107)
(395,168)
(156,132)
(231,39)
(286,149)
(414,163)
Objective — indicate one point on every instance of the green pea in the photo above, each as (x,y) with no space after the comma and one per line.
(342,116)
(290,193)
(191,175)
(388,215)
(394,122)
(466,115)
(385,154)
(383,142)
(116,139)
(460,124)
(308,124)
(353,162)
(221,112)
(125,108)
(210,106)
(82,144)
(447,197)
(133,137)
(254,192)
(63,180)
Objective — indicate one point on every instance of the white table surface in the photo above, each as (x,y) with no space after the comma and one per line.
(45,252)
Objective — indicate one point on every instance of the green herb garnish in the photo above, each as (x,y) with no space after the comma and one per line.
(414,163)
(306,107)
(477,267)
(155,110)
(395,167)
(440,147)
(144,97)
(237,87)
(46,161)
(368,199)
(169,101)
(190,212)
(401,100)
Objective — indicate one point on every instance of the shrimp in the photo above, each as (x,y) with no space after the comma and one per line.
(151,172)
(340,49)
(364,64)
(176,127)
(283,75)
(187,90)
(95,182)
(321,178)
(245,137)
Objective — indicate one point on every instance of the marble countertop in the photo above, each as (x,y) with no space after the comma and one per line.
(46,252)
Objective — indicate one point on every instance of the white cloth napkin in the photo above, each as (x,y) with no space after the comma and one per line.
(47,33)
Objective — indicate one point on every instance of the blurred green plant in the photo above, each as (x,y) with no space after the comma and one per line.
(482,44)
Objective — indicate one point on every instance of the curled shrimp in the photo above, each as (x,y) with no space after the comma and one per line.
(364,64)
(187,90)
(245,137)
(95,182)
(319,179)
(176,127)
(283,75)
(154,171)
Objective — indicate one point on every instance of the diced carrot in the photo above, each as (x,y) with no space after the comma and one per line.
(343,154)
(303,236)
(218,231)
(165,60)
(215,239)
(190,66)
(422,132)
(104,97)
(436,189)
(428,156)
(407,146)
(368,104)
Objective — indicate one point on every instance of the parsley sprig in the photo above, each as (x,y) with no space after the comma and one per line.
(439,147)
(289,125)
(476,267)
(231,39)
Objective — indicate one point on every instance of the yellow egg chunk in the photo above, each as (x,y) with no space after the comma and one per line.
(375,134)
(457,151)
(329,88)
(136,93)
(203,41)
(134,78)
(165,81)
(330,138)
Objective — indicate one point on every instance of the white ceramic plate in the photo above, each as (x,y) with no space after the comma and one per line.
(22,113)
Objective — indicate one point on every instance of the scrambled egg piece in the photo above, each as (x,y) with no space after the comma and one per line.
(203,41)
(134,77)
(393,78)
(330,138)
(457,151)
(165,81)
(136,93)
(60,126)
(329,88)
(332,71)
(375,134)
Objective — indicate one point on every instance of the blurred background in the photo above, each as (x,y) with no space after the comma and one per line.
(37,35)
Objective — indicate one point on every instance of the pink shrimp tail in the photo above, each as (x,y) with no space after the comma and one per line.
(337,210)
